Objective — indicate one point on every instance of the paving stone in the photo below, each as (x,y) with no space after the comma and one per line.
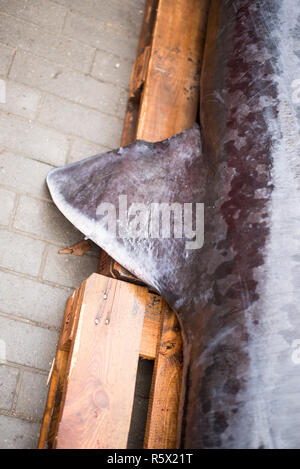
(85,123)
(65,83)
(69,270)
(28,345)
(7,202)
(8,383)
(21,100)
(82,149)
(34,300)
(113,69)
(20,253)
(41,12)
(32,139)
(123,104)
(118,14)
(33,394)
(18,434)
(6,54)
(140,4)
(99,35)
(44,220)
(23,174)
(17,33)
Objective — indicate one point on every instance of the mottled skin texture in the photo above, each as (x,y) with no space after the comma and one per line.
(238,297)
(250,383)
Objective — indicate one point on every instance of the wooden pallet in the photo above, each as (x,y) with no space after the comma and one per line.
(108,325)
(110,322)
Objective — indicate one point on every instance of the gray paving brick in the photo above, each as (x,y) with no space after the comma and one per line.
(69,270)
(34,300)
(123,104)
(44,220)
(21,100)
(140,4)
(18,434)
(81,149)
(33,395)
(28,345)
(118,14)
(7,202)
(8,383)
(6,54)
(113,69)
(23,174)
(77,120)
(32,139)
(99,35)
(42,12)
(16,33)
(65,83)
(20,253)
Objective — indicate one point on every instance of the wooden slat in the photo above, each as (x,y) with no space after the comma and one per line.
(77,249)
(171,92)
(139,73)
(151,327)
(121,273)
(102,371)
(54,402)
(59,374)
(54,379)
(68,320)
(105,264)
(48,410)
(161,430)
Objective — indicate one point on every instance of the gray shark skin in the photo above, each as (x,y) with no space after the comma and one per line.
(165,172)
(237,297)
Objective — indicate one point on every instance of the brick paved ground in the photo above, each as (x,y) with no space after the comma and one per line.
(66,64)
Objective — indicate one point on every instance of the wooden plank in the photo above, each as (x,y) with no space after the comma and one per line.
(121,273)
(54,379)
(77,249)
(65,335)
(48,410)
(102,371)
(105,264)
(139,73)
(171,92)
(151,327)
(55,394)
(162,421)
(59,375)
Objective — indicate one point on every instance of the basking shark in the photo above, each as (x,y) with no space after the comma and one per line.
(237,291)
